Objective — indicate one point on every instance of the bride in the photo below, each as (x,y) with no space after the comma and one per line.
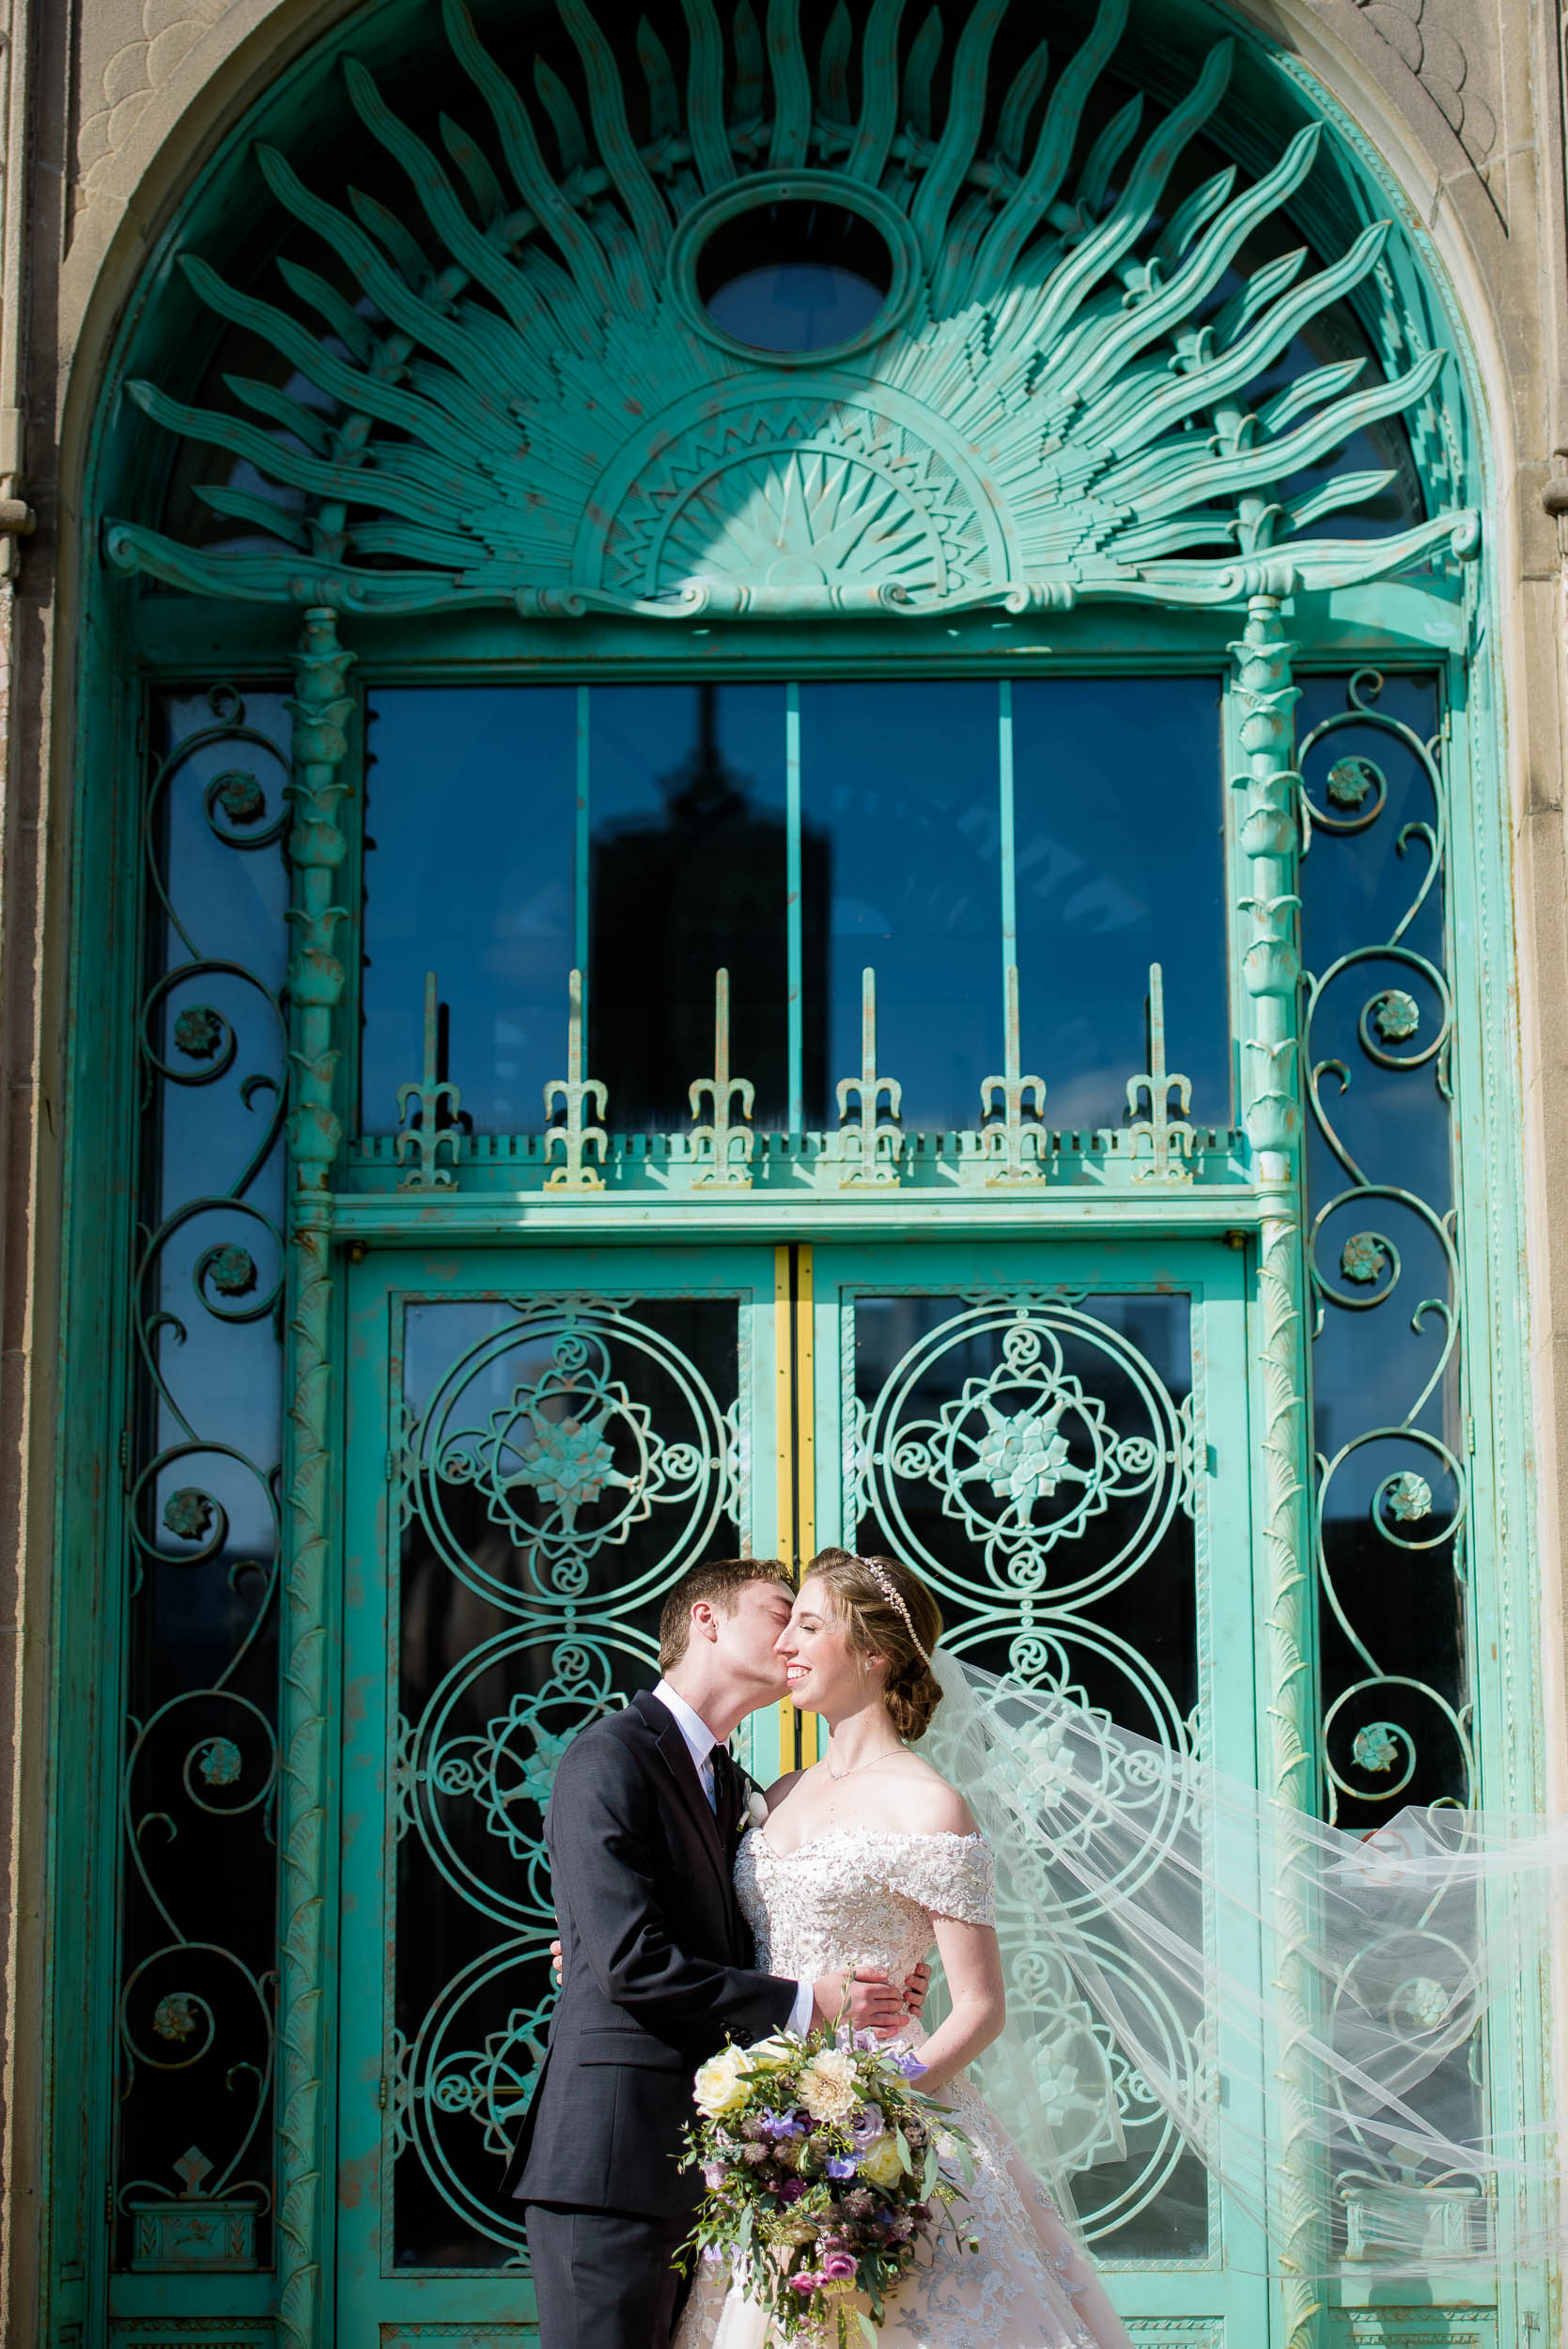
(870,1857)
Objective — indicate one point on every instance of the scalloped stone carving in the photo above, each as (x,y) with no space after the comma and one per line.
(1426,33)
(116,87)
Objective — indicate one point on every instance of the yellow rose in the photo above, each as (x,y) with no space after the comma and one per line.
(769,2054)
(720,2084)
(828,2088)
(879,2164)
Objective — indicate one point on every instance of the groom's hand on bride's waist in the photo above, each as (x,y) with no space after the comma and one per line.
(915,1987)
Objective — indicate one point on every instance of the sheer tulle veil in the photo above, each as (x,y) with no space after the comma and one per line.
(1313,2013)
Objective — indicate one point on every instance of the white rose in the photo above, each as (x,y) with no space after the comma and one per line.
(720,2084)
(756,1810)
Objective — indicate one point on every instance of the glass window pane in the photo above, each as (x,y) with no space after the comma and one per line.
(1120,862)
(470,816)
(689,874)
(900,785)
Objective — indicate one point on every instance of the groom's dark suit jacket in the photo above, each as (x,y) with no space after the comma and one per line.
(657,1968)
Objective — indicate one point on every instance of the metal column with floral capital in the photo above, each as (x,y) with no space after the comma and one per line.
(320,711)
(1269,841)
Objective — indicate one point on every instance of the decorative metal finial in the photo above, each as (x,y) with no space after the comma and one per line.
(574,1093)
(194,2169)
(1169,1140)
(1004,1134)
(723,1148)
(876,1140)
(431,1137)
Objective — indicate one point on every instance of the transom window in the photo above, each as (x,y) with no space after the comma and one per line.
(796,834)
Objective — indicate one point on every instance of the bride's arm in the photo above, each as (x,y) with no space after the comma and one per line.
(971,1956)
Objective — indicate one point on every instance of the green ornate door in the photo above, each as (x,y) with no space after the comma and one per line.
(541,1440)
(1054,1431)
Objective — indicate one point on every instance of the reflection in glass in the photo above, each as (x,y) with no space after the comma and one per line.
(1119,860)
(903,785)
(687,874)
(470,803)
(943,828)
(204,1467)
(794,275)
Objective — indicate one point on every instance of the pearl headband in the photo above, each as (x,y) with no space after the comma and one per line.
(888,1589)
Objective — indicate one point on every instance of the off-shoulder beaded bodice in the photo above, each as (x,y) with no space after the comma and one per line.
(860,1896)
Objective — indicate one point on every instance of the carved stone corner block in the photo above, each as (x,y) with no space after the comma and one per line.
(1452,47)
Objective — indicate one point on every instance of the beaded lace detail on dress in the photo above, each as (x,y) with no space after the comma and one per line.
(867,1896)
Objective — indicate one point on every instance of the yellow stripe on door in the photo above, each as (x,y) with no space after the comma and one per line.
(795,1421)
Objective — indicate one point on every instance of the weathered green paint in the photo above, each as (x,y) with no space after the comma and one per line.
(1033,442)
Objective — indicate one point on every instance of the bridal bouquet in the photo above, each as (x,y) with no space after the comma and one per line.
(819,2156)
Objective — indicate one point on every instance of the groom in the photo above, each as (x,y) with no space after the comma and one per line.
(657,1966)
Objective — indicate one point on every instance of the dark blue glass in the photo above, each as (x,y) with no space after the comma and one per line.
(470,821)
(689,874)
(1380,1186)
(899,784)
(1119,862)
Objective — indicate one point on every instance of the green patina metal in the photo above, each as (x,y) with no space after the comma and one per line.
(1047,426)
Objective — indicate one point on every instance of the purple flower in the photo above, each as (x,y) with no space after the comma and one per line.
(866,2123)
(712,2256)
(905,2060)
(778,2125)
(841,2166)
(714,2175)
(792,2189)
(837,2266)
(859,2205)
(805,2283)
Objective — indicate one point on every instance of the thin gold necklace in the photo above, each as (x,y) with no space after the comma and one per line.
(836,1775)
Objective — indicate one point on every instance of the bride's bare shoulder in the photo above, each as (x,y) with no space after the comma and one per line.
(926,1803)
(780,1788)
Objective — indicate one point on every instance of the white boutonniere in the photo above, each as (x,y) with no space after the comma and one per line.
(757,1810)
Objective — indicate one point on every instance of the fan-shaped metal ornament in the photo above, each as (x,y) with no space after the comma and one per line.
(529,405)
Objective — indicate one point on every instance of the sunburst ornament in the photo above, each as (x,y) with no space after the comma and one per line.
(531,404)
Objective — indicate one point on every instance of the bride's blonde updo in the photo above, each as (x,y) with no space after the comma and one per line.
(888,1612)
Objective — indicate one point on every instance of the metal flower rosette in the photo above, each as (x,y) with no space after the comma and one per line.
(827,2170)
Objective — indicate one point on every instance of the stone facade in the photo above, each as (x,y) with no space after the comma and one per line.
(107,108)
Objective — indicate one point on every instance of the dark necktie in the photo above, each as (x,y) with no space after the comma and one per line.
(723,1788)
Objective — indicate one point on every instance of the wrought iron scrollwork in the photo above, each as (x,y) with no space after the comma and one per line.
(1393,1490)
(201,1772)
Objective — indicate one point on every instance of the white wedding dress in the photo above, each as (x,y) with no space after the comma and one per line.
(867,1896)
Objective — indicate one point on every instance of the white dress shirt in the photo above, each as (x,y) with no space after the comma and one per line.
(700,1742)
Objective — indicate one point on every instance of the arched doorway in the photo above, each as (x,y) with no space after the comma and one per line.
(762,500)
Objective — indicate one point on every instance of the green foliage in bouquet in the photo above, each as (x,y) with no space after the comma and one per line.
(824,2169)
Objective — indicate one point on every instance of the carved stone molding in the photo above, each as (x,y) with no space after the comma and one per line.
(129,52)
(1427,34)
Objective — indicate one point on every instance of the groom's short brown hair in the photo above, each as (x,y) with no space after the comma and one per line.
(721,1581)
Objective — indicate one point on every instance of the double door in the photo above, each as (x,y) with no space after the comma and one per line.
(541,1440)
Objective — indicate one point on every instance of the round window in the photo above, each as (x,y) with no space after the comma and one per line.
(794,266)
(794,276)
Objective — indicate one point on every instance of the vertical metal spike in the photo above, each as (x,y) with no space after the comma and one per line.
(438,1104)
(725,1148)
(869,1143)
(1013,1141)
(1169,1140)
(578,1138)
